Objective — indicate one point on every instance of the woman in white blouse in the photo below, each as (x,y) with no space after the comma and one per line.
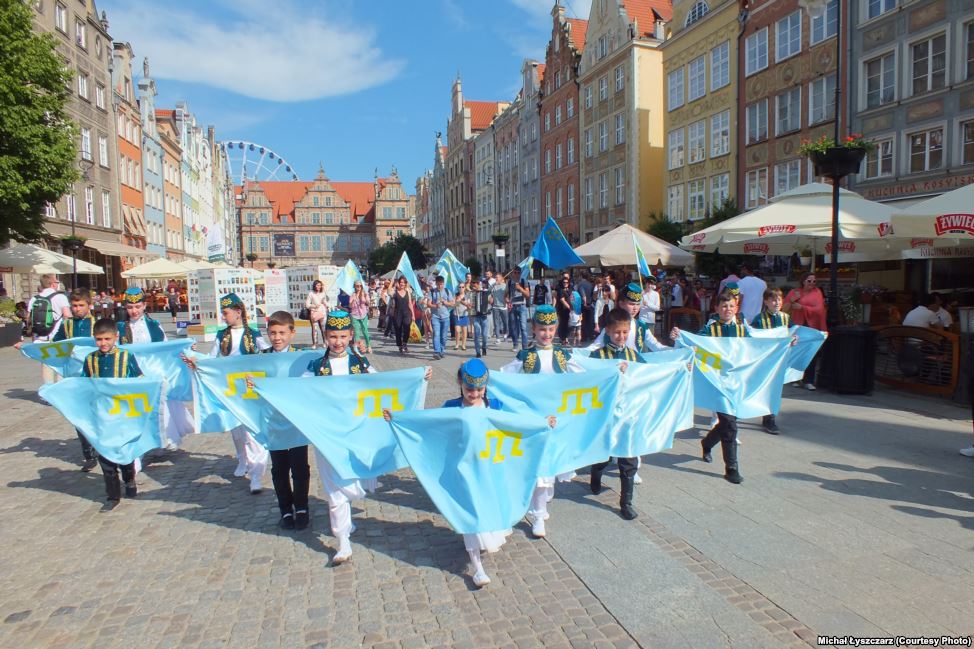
(317,305)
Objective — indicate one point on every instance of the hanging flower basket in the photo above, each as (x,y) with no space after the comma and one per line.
(251,256)
(836,160)
(73,243)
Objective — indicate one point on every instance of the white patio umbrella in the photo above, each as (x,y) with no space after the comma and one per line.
(614,248)
(196,264)
(160,268)
(945,220)
(28,258)
(802,219)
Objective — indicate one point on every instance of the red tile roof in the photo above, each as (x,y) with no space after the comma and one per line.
(482,113)
(579,29)
(283,194)
(164,113)
(646,12)
(541,69)
(360,198)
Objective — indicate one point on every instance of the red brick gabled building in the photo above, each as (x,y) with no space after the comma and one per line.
(559,123)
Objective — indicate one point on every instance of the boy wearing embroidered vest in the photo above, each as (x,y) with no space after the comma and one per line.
(290,464)
(725,432)
(340,359)
(80,324)
(111,362)
(771,317)
(543,357)
(617,332)
(641,336)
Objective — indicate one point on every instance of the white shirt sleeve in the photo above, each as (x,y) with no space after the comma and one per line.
(262,344)
(514,367)
(654,344)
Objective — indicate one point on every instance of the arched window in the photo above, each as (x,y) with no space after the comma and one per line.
(698,11)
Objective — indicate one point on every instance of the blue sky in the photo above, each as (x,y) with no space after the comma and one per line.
(354,84)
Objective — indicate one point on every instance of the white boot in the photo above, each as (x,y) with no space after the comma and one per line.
(480,578)
(344,551)
(255,486)
(537,526)
(538,511)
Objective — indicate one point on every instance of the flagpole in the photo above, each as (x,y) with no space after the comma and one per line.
(639,273)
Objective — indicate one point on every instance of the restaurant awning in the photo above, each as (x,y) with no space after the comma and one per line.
(118,249)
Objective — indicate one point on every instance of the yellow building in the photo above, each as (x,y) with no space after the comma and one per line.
(700,107)
(620,131)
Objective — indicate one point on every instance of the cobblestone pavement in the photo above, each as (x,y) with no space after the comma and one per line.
(856,521)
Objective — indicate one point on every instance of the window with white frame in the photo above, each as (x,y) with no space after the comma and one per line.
(604,189)
(80,34)
(719,190)
(824,26)
(588,194)
(588,143)
(86,143)
(880,74)
(83,85)
(969,50)
(787,176)
(756,52)
(620,128)
(603,88)
(697,141)
(674,202)
(547,161)
(788,111)
(926,150)
(620,78)
(570,108)
(720,66)
(90,205)
(697,11)
(547,203)
(967,142)
(756,187)
(929,64)
(103,151)
(571,199)
(60,17)
(558,158)
(571,149)
(558,79)
(879,162)
(757,121)
(697,199)
(788,36)
(674,88)
(547,122)
(697,81)
(603,135)
(720,134)
(558,203)
(821,100)
(603,47)
(557,114)
(620,178)
(72,208)
(100,96)
(587,93)
(876,8)
(675,149)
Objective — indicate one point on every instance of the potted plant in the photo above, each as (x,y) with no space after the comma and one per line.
(251,257)
(837,159)
(72,242)
(805,256)
(500,239)
(11,326)
(271,264)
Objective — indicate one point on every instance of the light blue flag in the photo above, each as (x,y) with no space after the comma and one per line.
(478,465)
(120,417)
(552,249)
(227,401)
(801,354)
(526,266)
(161,361)
(742,377)
(59,355)
(348,276)
(452,271)
(583,404)
(342,416)
(405,268)
(641,263)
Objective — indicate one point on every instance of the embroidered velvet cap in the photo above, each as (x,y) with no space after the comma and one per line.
(732,288)
(474,373)
(633,292)
(652,279)
(338,321)
(134,295)
(230,300)
(545,314)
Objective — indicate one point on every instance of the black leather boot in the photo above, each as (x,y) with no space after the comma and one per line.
(705,452)
(595,480)
(625,499)
(113,488)
(731,474)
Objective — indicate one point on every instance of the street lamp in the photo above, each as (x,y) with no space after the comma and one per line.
(75,243)
(817,9)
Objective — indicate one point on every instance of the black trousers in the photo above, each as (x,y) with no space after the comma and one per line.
(588,322)
(562,330)
(287,465)
(401,328)
(627,466)
(724,432)
(87,450)
(112,469)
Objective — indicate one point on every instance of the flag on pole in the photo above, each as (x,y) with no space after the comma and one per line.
(348,276)
(552,249)
(641,262)
(452,271)
(406,269)
(526,265)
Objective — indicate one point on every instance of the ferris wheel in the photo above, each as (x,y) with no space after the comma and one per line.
(249,161)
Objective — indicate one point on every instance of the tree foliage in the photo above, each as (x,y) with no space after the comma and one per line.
(663,228)
(37,137)
(714,264)
(386,257)
(474,265)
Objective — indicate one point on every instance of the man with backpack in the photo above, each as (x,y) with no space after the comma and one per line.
(45,311)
